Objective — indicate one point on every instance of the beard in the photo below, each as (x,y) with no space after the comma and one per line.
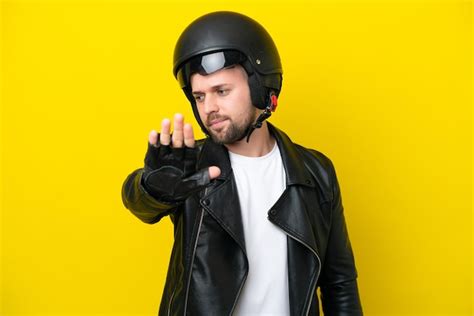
(234,131)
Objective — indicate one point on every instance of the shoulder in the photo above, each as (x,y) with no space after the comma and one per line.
(316,159)
(315,162)
(321,168)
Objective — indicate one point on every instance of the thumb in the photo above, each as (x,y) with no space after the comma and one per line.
(214,172)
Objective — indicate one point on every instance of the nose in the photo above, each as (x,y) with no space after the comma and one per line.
(210,104)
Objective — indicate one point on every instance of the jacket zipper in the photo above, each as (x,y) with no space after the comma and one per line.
(319,266)
(192,259)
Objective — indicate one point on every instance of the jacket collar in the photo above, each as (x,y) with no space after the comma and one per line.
(217,155)
(296,173)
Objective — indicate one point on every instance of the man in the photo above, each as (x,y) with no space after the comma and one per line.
(258,220)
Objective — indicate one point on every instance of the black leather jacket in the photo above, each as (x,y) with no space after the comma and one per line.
(208,265)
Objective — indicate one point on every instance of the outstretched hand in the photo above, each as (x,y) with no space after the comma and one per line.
(182,135)
(170,163)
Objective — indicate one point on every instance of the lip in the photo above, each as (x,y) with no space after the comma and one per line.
(217,123)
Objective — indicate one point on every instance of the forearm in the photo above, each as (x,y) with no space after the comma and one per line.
(140,202)
(341,299)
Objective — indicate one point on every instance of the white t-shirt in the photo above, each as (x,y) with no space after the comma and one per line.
(260,183)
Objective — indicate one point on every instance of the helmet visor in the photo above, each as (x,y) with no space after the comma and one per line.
(207,64)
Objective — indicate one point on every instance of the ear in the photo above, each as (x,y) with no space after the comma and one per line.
(258,92)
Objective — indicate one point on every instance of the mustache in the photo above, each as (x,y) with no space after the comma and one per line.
(215,116)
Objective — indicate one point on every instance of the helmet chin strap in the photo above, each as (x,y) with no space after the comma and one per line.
(271,107)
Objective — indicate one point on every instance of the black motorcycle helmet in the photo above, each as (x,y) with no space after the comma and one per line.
(220,39)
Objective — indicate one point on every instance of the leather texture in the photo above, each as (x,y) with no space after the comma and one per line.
(170,173)
(208,265)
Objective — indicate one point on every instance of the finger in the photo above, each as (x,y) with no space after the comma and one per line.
(165,132)
(153,137)
(177,138)
(188,136)
(214,172)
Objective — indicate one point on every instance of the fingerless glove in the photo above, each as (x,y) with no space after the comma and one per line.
(170,174)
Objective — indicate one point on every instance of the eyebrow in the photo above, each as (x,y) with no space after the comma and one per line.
(214,88)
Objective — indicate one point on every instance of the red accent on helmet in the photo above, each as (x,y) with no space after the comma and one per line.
(274,102)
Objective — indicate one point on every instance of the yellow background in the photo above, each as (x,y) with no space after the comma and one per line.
(383,88)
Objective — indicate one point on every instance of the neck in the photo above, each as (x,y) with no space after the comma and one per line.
(260,143)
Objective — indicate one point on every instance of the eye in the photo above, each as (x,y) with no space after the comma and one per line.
(223,92)
(199,98)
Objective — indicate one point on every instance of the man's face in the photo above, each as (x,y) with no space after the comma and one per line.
(224,104)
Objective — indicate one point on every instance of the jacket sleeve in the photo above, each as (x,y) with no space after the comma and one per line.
(140,202)
(338,283)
